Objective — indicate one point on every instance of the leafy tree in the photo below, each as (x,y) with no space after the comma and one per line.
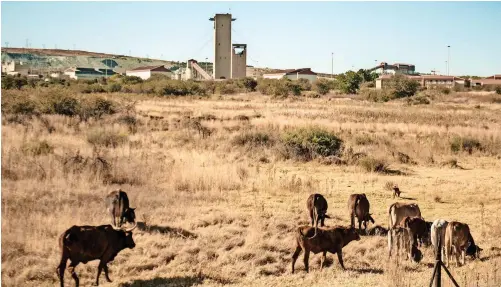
(349,82)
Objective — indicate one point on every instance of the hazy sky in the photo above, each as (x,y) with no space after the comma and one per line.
(278,34)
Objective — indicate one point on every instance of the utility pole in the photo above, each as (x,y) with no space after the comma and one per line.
(332,65)
(206,60)
(447,67)
(448,59)
(6,44)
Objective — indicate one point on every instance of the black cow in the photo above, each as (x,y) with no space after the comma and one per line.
(317,208)
(82,244)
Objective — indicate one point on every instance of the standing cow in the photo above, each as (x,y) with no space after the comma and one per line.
(418,229)
(398,211)
(317,208)
(117,204)
(328,240)
(358,206)
(81,244)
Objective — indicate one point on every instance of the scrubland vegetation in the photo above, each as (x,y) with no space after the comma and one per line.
(220,173)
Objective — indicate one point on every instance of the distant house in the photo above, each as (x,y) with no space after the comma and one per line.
(293,74)
(426,80)
(78,73)
(13,68)
(493,81)
(147,71)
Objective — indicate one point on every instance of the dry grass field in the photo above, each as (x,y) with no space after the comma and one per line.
(219,197)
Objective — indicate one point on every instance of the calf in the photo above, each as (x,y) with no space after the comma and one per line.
(327,240)
(317,208)
(438,233)
(81,244)
(457,239)
(377,231)
(399,238)
(117,204)
(358,206)
(396,191)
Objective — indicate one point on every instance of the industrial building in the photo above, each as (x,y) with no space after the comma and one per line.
(492,81)
(78,73)
(426,80)
(293,74)
(147,71)
(230,60)
(397,68)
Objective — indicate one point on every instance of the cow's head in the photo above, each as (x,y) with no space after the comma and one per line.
(417,255)
(130,215)
(473,251)
(352,234)
(369,218)
(129,242)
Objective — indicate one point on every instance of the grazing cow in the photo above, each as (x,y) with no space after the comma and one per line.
(438,232)
(82,244)
(331,240)
(377,231)
(317,208)
(358,206)
(418,229)
(398,211)
(396,191)
(457,240)
(473,250)
(117,204)
(401,239)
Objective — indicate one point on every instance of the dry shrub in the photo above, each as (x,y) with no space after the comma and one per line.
(465,144)
(100,137)
(253,139)
(36,148)
(371,164)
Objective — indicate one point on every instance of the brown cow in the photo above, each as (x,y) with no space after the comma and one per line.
(400,238)
(396,191)
(358,206)
(457,240)
(317,208)
(418,229)
(398,211)
(331,240)
(117,204)
(81,244)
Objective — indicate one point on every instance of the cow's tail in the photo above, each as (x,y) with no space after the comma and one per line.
(315,217)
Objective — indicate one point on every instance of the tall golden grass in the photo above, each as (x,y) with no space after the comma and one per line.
(217,210)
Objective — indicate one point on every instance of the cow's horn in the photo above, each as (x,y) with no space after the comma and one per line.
(132,228)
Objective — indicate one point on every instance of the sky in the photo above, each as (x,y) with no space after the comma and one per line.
(279,35)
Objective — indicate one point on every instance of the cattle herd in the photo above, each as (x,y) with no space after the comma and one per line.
(407,231)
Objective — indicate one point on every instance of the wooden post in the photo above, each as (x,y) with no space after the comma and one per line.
(437,274)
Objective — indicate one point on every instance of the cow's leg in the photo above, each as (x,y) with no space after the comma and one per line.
(113,219)
(321,218)
(295,256)
(340,258)
(312,218)
(322,260)
(306,259)
(61,268)
(359,225)
(322,222)
(352,220)
(71,269)
(106,273)
(365,225)
(463,255)
(99,270)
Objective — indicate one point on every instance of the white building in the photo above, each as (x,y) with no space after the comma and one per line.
(88,73)
(147,71)
(13,68)
(304,73)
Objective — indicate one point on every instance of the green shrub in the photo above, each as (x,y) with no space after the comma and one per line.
(37,148)
(294,87)
(96,107)
(62,105)
(349,82)
(309,143)
(465,144)
(304,84)
(321,86)
(498,90)
(131,80)
(106,138)
(248,84)
(401,86)
(227,88)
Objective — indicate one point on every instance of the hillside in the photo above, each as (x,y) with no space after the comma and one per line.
(58,60)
